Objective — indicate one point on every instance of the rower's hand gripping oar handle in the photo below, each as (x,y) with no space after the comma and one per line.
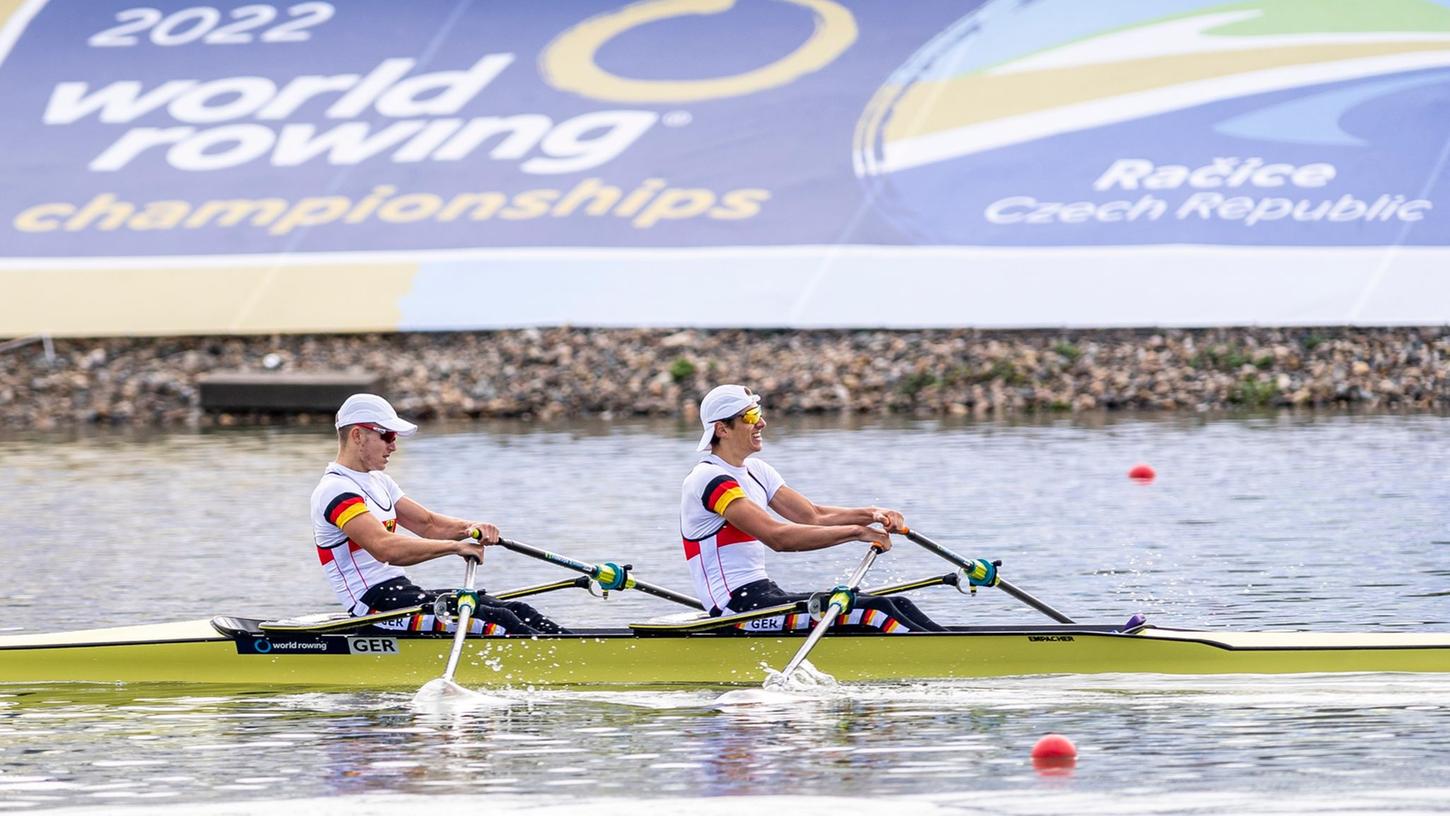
(476,535)
(987,571)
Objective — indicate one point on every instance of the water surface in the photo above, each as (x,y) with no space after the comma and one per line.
(1274,522)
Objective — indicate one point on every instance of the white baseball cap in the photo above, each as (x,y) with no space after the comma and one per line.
(723,402)
(372,409)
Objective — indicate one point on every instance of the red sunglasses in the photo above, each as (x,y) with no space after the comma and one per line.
(383,433)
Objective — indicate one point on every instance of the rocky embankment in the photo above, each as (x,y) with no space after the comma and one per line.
(552,373)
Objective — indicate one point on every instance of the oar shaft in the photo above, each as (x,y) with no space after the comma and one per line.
(1007,587)
(832,611)
(800,657)
(1002,583)
(667,594)
(592,571)
(854,582)
(935,548)
(465,619)
(545,555)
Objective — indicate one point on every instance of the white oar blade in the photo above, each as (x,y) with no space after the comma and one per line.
(441,694)
(755,697)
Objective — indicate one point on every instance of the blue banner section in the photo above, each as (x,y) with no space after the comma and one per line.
(177,129)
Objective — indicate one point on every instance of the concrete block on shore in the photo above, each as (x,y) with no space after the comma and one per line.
(282,392)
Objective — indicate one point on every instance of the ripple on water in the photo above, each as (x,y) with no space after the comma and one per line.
(1281,545)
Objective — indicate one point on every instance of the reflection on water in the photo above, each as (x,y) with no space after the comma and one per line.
(1149,735)
(1288,522)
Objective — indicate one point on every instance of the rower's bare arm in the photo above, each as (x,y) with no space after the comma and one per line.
(788,536)
(428,524)
(793,505)
(790,503)
(401,550)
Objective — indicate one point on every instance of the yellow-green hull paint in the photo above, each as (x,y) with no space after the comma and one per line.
(194,653)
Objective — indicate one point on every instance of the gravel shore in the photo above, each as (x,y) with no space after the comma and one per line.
(552,373)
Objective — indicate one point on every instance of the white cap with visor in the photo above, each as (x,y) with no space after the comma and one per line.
(371,409)
(723,402)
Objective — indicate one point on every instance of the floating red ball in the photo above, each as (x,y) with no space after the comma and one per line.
(1142,473)
(1054,747)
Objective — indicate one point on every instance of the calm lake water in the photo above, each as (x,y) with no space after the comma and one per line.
(1276,522)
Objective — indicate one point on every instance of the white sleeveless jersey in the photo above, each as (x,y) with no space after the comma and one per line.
(721,557)
(341,496)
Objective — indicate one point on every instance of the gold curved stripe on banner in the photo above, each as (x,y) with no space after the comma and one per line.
(203,300)
(568,63)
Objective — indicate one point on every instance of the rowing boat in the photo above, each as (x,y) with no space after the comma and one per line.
(339,651)
(239,651)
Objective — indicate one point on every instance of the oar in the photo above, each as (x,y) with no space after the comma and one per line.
(442,690)
(467,602)
(981,570)
(841,598)
(611,576)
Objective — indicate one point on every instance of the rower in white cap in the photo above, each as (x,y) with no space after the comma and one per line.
(356,510)
(727,530)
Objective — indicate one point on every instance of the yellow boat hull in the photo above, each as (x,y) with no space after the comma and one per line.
(195,652)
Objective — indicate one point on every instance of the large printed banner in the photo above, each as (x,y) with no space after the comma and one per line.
(172,167)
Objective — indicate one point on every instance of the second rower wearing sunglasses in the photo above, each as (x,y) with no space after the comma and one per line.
(728,528)
(356,511)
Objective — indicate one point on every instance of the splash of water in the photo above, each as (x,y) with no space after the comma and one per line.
(780,689)
(439,695)
(805,678)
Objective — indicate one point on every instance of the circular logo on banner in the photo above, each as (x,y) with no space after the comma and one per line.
(262,645)
(568,63)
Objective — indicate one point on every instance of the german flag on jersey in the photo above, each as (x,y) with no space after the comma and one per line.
(720,492)
(345,508)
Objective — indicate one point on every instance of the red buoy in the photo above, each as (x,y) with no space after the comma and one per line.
(1054,755)
(1142,473)
(1054,746)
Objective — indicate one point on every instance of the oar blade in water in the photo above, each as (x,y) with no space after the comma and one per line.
(440,694)
(780,689)
(806,677)
(755,697)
